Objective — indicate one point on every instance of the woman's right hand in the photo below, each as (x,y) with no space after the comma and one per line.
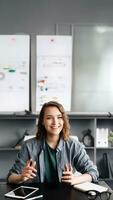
(29,171)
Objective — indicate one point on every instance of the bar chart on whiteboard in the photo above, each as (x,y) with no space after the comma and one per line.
(14,73)
(54,70)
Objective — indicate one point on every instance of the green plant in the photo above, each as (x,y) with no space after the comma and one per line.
(110,137)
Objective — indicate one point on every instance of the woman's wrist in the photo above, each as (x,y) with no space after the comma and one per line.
(81,178)
(15,178)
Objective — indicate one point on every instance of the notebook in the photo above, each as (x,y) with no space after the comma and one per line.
(90,186)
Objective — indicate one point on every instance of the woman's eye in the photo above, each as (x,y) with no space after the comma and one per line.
(60,117)
(49,117)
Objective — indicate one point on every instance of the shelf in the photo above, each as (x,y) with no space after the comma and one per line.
(9,149)
(91,114)
(105,148)
(89,147)
(17,116)
(3,181)
(79,116)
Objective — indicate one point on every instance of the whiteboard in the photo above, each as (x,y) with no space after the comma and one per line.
(93,60)
(14,73)
(54,70)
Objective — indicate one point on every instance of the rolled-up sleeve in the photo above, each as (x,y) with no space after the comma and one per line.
(22,157)
(83,163)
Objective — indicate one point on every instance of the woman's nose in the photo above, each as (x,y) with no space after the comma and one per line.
(55,120)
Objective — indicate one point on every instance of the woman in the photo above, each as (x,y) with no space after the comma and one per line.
(53,156)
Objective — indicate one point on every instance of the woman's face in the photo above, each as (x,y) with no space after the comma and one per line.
(53,121)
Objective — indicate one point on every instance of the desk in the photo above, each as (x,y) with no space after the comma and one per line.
(50,192)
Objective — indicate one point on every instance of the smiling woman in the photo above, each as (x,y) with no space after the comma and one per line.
(54,154)
(53,123)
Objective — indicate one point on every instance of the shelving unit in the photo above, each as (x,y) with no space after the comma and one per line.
(13,127)
(80,123)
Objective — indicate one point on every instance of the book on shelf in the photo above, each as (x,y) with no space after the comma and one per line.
(102,137)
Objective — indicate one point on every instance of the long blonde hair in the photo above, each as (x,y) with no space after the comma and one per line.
(41,132)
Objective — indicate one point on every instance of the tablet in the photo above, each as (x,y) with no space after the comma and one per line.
(21,192)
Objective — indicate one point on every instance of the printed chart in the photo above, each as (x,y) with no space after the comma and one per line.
(14,73)
(54,68)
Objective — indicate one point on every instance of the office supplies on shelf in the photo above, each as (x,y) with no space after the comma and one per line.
(102,137)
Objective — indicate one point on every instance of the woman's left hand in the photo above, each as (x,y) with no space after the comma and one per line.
(68,176)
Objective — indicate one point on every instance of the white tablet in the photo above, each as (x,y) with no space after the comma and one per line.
(21,192)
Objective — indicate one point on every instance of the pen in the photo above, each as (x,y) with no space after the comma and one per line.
(36,197)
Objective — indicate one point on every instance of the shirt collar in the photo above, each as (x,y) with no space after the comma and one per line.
(60,145)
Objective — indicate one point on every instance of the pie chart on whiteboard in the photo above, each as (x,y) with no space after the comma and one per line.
(2,75)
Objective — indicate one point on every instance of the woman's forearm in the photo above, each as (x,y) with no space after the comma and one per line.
(81,178)
(15,178)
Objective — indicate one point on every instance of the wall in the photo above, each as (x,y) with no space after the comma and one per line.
(40,16)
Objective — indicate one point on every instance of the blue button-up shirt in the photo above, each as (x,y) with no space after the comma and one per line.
(70,152)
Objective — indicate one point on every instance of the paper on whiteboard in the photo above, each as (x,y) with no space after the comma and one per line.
(14,73)
(54,68)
